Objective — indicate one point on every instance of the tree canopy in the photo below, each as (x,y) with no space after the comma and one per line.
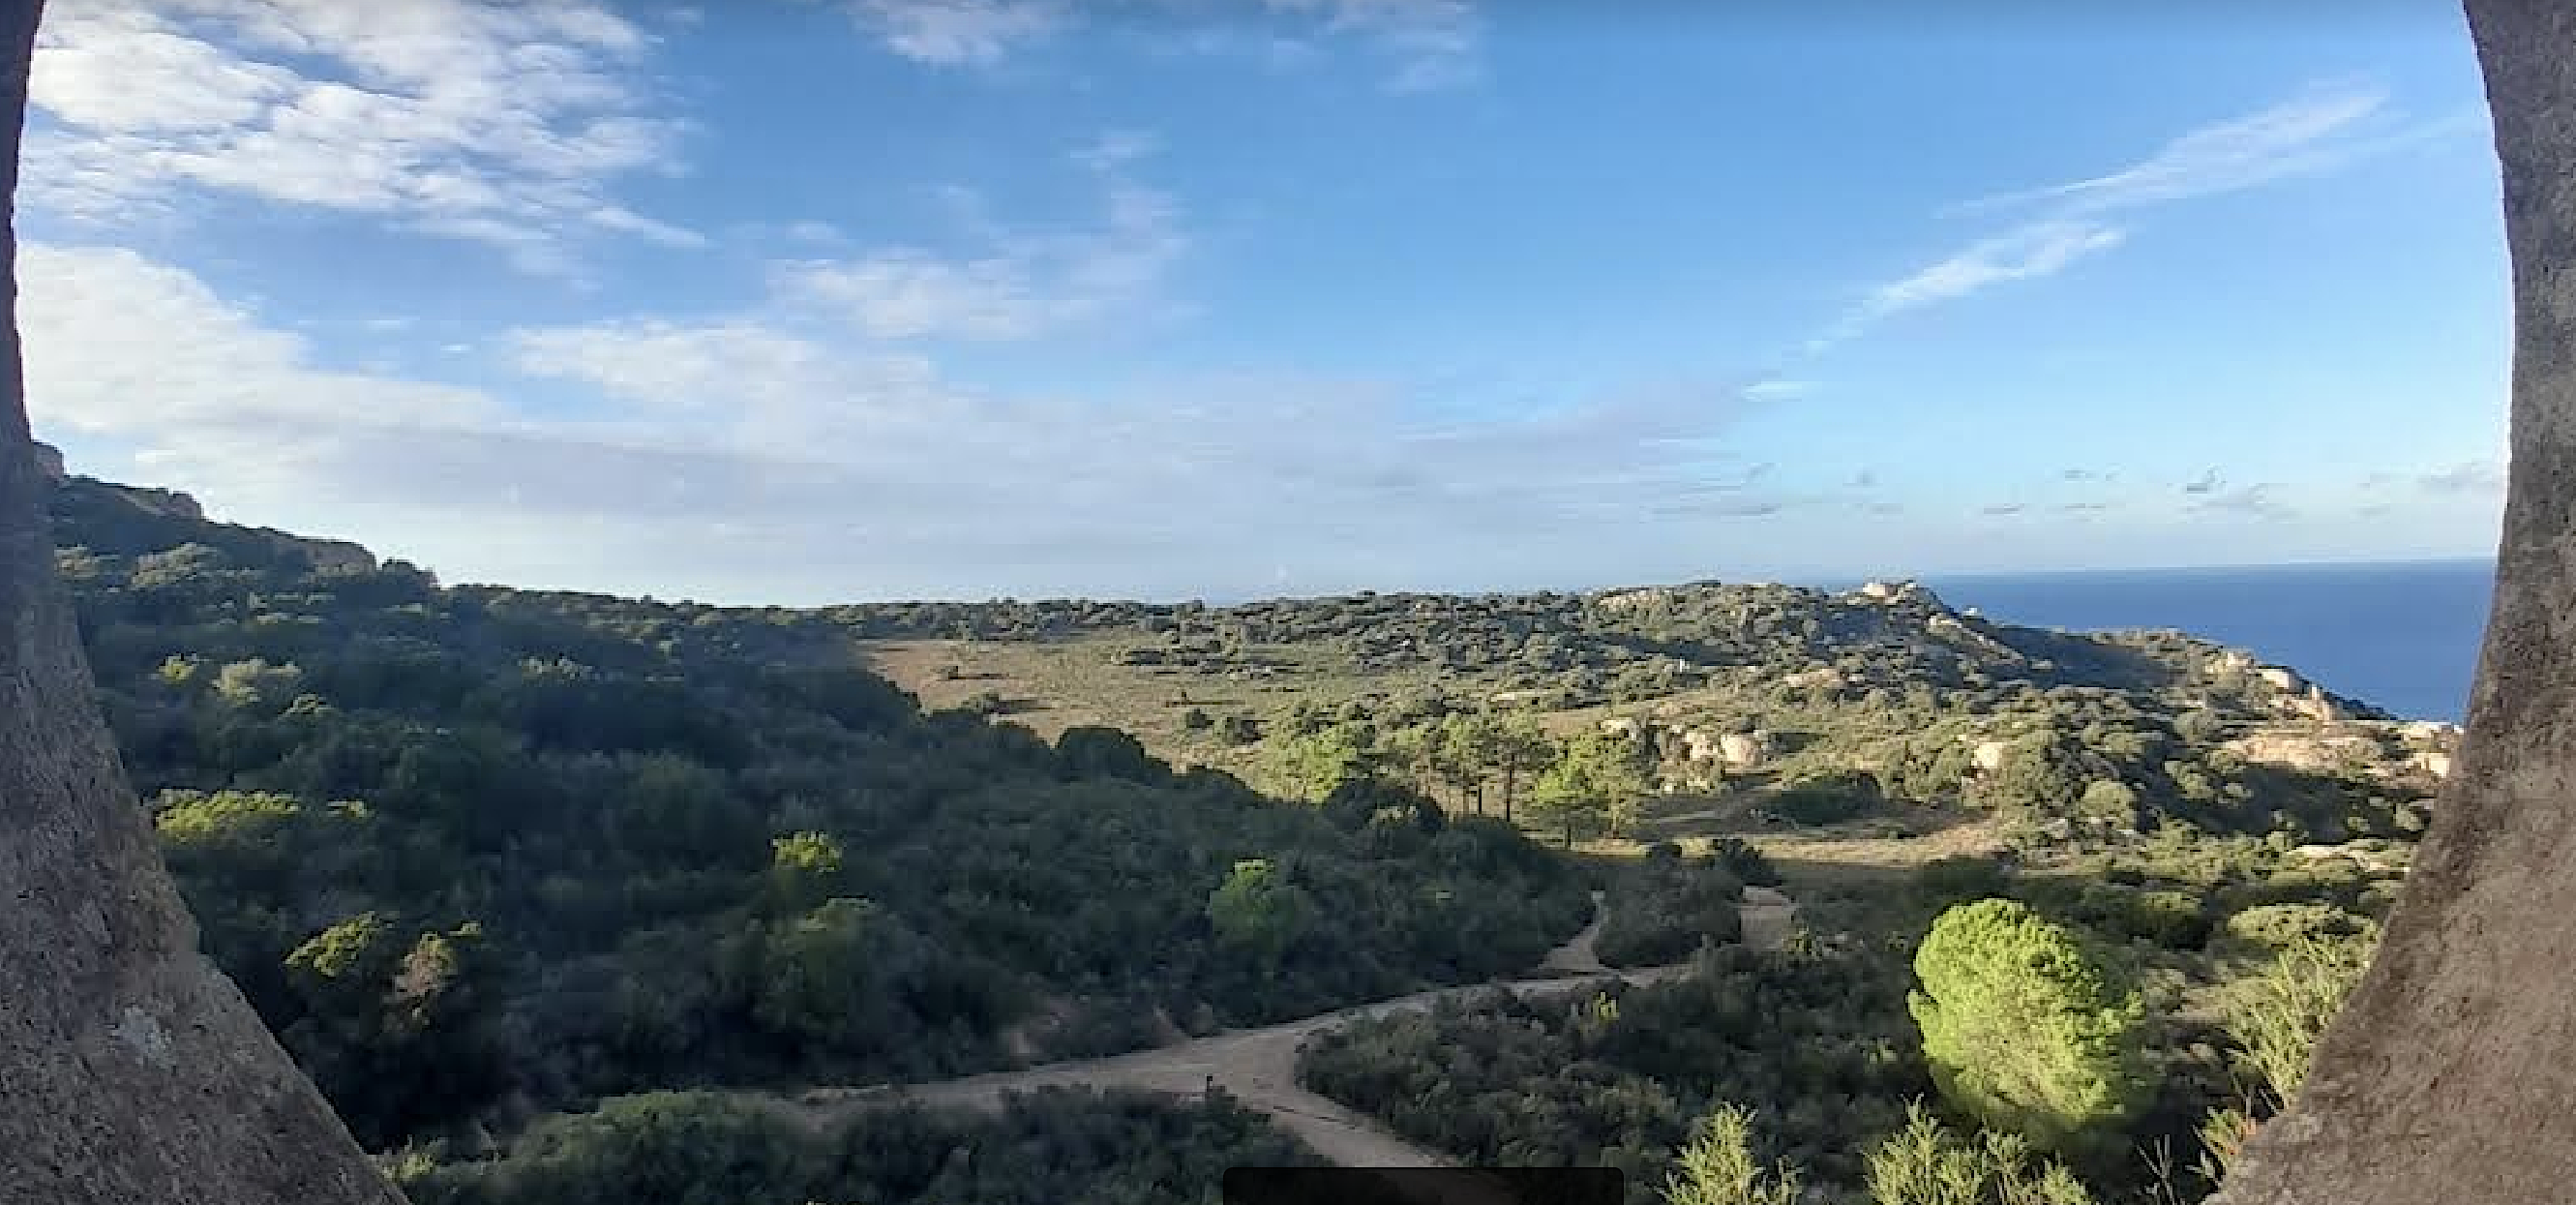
(2022,1025)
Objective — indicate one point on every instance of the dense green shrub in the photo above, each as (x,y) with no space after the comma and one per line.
(2276,1015)
(2023,1026)
(1826,799)
(1747,863)
(1822,1041)
(1665,907)
(1926,1163)
(1053,1147)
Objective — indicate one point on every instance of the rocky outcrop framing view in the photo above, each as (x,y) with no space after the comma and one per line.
(130,1069)
(2447,1077)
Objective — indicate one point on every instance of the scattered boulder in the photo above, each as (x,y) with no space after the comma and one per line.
(2366,858)
(339,556)
(1907,591)
(2306,751)
(1635,600)
(1744,750)
(2233,661)
(2315,705)
(2429,730)
(164,502)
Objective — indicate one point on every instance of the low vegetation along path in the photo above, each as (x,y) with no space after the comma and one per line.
(1258,1067)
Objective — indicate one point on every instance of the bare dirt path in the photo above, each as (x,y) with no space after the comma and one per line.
(1258,1067)
(1577,954)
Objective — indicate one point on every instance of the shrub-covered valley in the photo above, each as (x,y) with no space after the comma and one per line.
(570,898)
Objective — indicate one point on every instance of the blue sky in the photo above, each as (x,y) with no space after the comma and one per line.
(807,301)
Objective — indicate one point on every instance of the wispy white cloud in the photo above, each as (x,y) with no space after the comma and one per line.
(502,123)
(2307,134)
(1780,389)
(1434,44)
(2477,478)
(743,384)
(811,231)
(1112,152)
(1017,284)
(2321,130)
(2252,501)
(2025,253)
(1427,45)
(959,33)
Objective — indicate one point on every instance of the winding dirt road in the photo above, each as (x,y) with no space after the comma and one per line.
(1258,1067)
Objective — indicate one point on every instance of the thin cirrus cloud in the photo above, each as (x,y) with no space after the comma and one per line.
(2474,478)
(503,124)
(2252,501)
(959,33)
(1428,45)
(1434,44)
(1017,284)
(2326,128)
(2023,253)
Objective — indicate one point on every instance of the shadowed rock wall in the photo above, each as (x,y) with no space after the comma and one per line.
(130,1070)
(2451,1077)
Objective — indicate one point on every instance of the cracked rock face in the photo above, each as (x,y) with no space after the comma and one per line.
(2451,1076)
(130,1070)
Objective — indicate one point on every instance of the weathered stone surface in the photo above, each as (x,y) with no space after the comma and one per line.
(2314,705)
(347,557)
(130,1070)
(2451,1076)
(1744,750)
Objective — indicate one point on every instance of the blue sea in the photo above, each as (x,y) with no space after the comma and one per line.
(2403,637)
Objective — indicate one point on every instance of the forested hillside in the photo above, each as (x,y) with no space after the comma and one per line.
(480,853)
(1604,714)
(511,872)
